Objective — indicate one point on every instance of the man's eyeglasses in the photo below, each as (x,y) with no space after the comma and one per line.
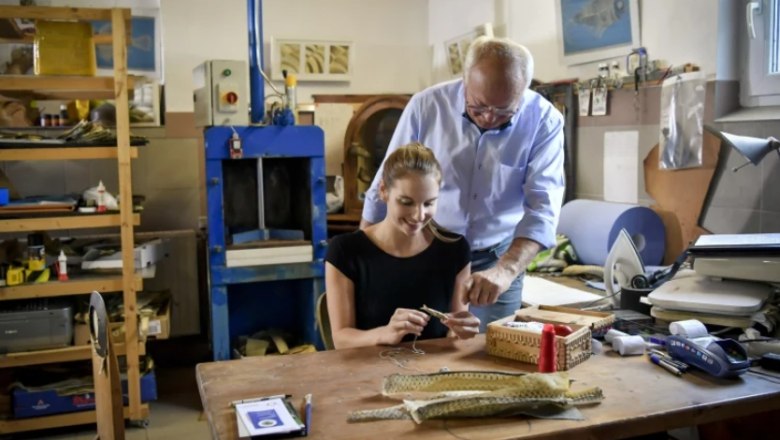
(479,110)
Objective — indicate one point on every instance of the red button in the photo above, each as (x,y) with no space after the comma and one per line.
(231,97)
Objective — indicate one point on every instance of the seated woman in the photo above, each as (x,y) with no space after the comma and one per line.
(377,279)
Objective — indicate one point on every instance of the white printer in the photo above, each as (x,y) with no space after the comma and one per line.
(733,275)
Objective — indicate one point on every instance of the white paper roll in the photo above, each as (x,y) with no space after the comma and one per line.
(612,334)
(690,328)
(629,345)
(593,226)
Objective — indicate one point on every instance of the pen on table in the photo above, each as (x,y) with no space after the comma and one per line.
(682,366)
(307,412)
(665,365)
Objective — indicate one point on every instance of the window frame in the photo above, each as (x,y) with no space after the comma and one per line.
(758,88)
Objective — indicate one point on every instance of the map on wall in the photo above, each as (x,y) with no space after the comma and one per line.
(141,53)
(597,29)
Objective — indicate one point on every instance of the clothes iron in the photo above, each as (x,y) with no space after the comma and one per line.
(623,266)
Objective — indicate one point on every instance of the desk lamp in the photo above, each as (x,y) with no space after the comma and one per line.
(752,148)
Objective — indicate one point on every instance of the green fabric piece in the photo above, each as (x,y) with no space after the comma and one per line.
(555,258)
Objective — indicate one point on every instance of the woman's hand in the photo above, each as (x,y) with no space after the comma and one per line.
(463,324)
(402,323)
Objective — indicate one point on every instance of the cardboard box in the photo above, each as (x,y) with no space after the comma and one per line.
(64,48)
(46,402)
(146,254)
(159,327)
(524,345)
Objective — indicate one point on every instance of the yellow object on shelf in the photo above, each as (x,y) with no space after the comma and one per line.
(64,48)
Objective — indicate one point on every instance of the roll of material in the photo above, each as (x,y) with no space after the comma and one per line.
(690,328)
(593,226)
(629,345)
(612,334)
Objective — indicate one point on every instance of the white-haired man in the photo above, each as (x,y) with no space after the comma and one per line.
(501,150)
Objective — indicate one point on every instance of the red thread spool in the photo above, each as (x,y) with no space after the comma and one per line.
(547,350)
(563,330)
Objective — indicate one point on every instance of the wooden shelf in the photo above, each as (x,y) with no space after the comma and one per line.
(62,153)
(57,355)
(62,288)
(62,13)
(10,426)
(114,87)
(70,222)
(62,87)
(30,39)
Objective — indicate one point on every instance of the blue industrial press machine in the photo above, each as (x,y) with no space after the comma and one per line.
(265,187)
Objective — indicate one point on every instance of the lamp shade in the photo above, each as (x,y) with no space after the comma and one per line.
(754,149)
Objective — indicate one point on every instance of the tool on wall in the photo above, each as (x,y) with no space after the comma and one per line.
(636,62)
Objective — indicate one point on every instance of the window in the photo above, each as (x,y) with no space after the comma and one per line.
(761,74)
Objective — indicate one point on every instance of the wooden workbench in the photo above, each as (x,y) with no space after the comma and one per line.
(640,397)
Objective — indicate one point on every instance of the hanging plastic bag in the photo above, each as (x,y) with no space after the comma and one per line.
(682,115)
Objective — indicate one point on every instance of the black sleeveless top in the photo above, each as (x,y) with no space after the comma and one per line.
(384,283)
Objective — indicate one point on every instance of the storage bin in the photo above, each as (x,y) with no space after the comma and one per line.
(524,345)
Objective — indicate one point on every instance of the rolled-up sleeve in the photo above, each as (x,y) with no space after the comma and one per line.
(407,130)
(544,184)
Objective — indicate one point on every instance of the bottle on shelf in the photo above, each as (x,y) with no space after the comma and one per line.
(63,115)
(101,197)
(62,267)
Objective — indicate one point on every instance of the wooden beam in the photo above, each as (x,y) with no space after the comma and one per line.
(69,222)
(61,13)
(59,355)
(76,286)
(32,82)
(30,39)
(126,212)
(62,153)
(10,426)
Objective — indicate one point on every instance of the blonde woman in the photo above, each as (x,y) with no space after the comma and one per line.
(378,278)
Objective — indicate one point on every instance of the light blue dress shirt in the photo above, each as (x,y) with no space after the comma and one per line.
(500,184)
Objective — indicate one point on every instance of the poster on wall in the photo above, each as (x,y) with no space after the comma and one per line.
(591,30)
(312,60)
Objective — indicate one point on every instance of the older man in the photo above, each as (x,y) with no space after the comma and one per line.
(501,150)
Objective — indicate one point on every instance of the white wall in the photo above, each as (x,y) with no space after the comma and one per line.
(391,54)
(399,43)
(194,31)
(444,24)
(389,36)
(676,31)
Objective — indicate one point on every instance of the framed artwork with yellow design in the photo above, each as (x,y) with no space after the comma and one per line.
(312,60)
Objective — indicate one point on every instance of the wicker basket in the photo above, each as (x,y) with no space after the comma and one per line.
(524,345)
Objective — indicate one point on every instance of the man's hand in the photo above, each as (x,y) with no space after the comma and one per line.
(484,287)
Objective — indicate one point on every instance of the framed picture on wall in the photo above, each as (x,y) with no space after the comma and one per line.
(591,30)
(144,55)
(312,60)
(455,49)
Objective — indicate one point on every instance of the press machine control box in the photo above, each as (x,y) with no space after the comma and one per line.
(221,95)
